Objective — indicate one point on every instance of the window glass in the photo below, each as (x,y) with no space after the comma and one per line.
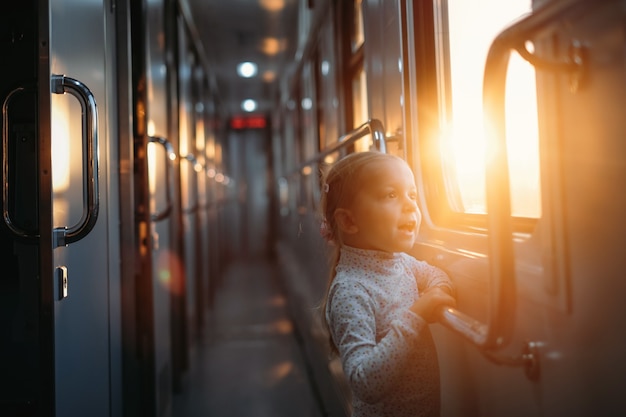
(328,100)
(359,102)
(464,37)
(358,36)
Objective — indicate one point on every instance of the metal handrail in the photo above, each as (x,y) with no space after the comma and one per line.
(372,126)
(497,332)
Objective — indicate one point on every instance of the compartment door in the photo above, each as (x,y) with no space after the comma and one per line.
(59,303)
(85,206)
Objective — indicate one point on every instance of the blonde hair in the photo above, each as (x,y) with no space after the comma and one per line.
(340,186)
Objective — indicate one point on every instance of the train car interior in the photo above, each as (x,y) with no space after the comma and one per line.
(163,166)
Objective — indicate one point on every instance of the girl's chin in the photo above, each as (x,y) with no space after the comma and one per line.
(408,237)
(408,244)
(403,245)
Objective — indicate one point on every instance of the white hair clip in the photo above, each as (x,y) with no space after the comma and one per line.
(326,187)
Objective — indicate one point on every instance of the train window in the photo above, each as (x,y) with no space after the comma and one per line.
(358,75)
(358,36)
(308,110)
(326,83)
(462,44)
(309,137)
(359,102)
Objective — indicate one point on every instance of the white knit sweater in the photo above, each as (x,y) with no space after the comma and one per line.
(386,350)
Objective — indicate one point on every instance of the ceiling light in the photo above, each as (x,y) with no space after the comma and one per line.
(307,103)
(325,67)
(248,105)
(247,69)
(269,76)
(272,5)
(272,46)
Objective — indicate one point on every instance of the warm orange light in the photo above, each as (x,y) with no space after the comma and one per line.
(463,143)
(272,5)
(200,134)
(272,46)
(151,128)
(329,159)
(282,326)
(169,272)
(279,372)
(151,154)
(218,153)
(60,113)
(184,145)
(210,148)
(269,76)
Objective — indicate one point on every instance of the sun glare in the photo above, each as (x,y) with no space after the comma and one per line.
(463,139)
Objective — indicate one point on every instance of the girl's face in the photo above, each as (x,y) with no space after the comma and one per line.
(384,214)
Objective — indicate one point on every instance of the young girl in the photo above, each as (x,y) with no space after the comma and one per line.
(380,299)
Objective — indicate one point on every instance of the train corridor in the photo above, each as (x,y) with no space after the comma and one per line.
(249,361)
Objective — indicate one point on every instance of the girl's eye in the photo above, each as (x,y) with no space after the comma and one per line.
(392,194)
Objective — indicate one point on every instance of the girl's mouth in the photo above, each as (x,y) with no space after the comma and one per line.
(408,226)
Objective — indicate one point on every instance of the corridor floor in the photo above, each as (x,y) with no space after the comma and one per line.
(249,361)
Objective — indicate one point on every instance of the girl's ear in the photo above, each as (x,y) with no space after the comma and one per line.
(345,221)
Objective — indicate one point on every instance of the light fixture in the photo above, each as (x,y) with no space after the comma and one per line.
(248,105)
(272,5)
(272,46)
(306,103)
(247,69)
(269,76)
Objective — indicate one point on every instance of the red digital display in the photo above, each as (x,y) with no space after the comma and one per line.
(248,122)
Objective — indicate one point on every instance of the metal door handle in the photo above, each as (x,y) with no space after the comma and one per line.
(170,156)
(60,84)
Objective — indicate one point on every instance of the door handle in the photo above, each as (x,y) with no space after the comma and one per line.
(60,84)
(170,156)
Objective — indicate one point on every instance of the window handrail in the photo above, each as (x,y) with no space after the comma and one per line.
(372,126)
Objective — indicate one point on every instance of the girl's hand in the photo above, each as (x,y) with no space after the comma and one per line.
(428,303)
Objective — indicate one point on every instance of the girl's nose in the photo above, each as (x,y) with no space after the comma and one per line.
(410,204)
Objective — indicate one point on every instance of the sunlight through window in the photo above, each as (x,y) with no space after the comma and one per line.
(467,39)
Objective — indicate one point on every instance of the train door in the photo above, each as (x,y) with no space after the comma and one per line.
(60,205)
(161,157)
(509,213)
(26,301)
(249,164)
(85,204)
(190,168)
(210,155)
(199,92)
